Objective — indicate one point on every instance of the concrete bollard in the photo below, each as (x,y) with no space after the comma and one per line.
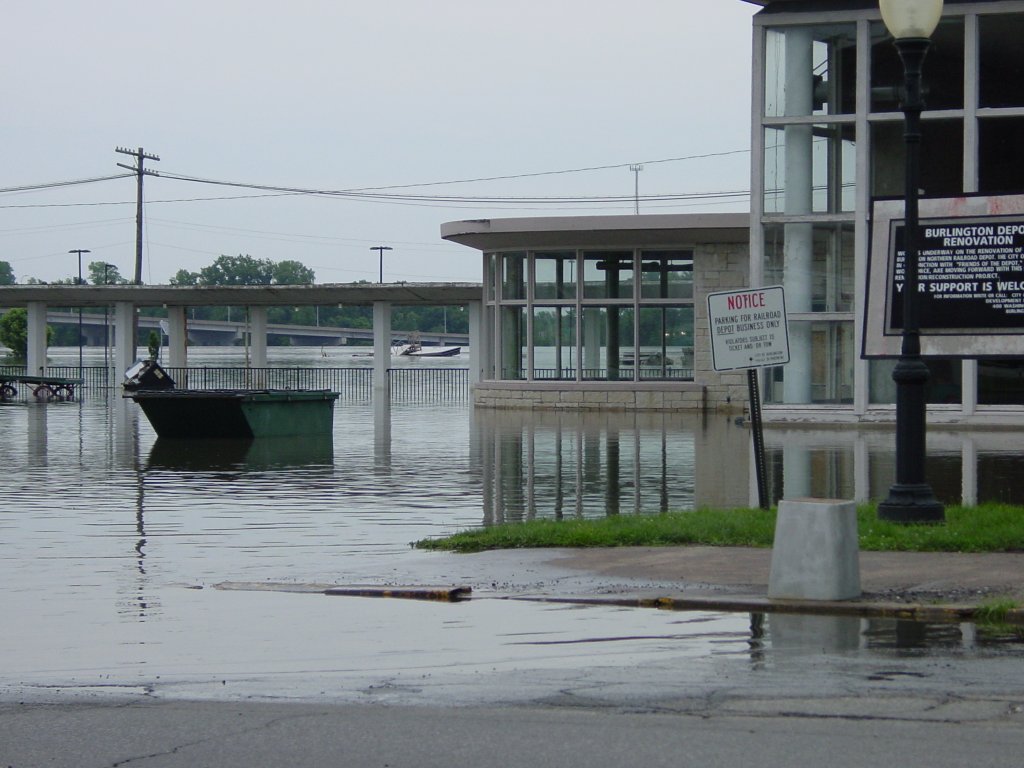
(816,552)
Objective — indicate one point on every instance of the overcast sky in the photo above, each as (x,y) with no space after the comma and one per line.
(339,95)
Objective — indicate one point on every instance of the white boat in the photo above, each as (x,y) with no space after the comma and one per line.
(416,350)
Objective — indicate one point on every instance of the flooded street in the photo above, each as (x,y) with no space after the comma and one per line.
(118,551)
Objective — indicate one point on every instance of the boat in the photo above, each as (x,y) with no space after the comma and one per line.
(417,350)
(227,413)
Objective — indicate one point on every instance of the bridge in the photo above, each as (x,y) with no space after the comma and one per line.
(176,299)
(227,332)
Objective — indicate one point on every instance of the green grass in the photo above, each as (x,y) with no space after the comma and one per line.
(986,528)
(994,610)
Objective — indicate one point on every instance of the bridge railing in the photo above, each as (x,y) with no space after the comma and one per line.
(406,383)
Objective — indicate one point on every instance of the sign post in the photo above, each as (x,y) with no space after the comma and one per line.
(749,331)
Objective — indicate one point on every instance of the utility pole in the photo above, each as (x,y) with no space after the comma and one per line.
(636,185)
(140,171)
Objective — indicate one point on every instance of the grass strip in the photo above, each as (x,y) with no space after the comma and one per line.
(984,528)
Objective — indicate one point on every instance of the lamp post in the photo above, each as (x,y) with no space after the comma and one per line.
(911,23)
(381,249)
(79,251)
(106,325)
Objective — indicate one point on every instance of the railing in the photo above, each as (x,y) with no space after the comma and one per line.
(624,373)
(429,383)
(406,383)
(351,382)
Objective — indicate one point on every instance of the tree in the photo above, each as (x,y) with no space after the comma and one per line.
(14,332)
(101,273)
(6,274)
(184,277)
(237,270)
(293,273)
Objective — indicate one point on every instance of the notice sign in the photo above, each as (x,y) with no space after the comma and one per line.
(970,274)
(748,328)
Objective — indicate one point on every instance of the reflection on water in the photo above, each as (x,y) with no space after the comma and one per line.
(558,464)
(811,634)
(968,467)
(241,454)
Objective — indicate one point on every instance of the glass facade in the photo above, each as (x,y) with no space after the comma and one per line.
(586,316)
(829,138)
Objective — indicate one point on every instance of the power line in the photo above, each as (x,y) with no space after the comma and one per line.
(69,183)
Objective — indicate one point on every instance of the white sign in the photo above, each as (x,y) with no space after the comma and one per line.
(748,328)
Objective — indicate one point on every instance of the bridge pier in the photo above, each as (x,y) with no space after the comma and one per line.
(381,346)
(258,337)
(35,357)
(177,337)
(124,338)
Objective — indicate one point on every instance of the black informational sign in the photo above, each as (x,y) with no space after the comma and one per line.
(970,274)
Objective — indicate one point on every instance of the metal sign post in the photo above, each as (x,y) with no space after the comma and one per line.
(749,331)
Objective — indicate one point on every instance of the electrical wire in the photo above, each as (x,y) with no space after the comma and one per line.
(57,184)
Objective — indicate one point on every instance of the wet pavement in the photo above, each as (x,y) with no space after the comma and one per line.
(269,673)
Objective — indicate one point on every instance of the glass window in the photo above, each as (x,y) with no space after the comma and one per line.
(608,275)
(607,340)
(666,343)
(944,385)
(810,70)
(943,68)
(821,265)
(513,342)
(513,276)
(490,279)
(1000,154)
(942,144)
(554,343)
(810,169)
(820,368)
(1001,78)
(554,275)
(666,274)
(1000,382)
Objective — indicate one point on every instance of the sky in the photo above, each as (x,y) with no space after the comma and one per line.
(453,109)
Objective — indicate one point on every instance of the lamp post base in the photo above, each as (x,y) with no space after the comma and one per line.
(909,503)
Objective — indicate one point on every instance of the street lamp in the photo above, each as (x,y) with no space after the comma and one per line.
(911,23)
(106,324)
(79,251)
(381,248)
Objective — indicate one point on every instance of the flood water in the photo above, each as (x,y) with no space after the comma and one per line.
(116,546)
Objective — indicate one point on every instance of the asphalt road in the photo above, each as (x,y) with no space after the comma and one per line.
(148,734)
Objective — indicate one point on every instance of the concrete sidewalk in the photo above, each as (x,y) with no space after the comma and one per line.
(926,585)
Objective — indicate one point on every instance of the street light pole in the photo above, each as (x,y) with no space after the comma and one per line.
(910,499)
(79,251)
(381,249)
(106,327)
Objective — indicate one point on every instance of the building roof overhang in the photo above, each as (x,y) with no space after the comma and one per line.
(599,231)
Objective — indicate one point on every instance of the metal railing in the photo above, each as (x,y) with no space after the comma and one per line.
(406,383)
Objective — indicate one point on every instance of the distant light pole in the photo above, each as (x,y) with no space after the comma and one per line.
(106,323)
(911,23)
(381,249)
(636,185)
(79,251)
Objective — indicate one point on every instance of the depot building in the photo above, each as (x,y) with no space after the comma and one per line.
(612,309)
